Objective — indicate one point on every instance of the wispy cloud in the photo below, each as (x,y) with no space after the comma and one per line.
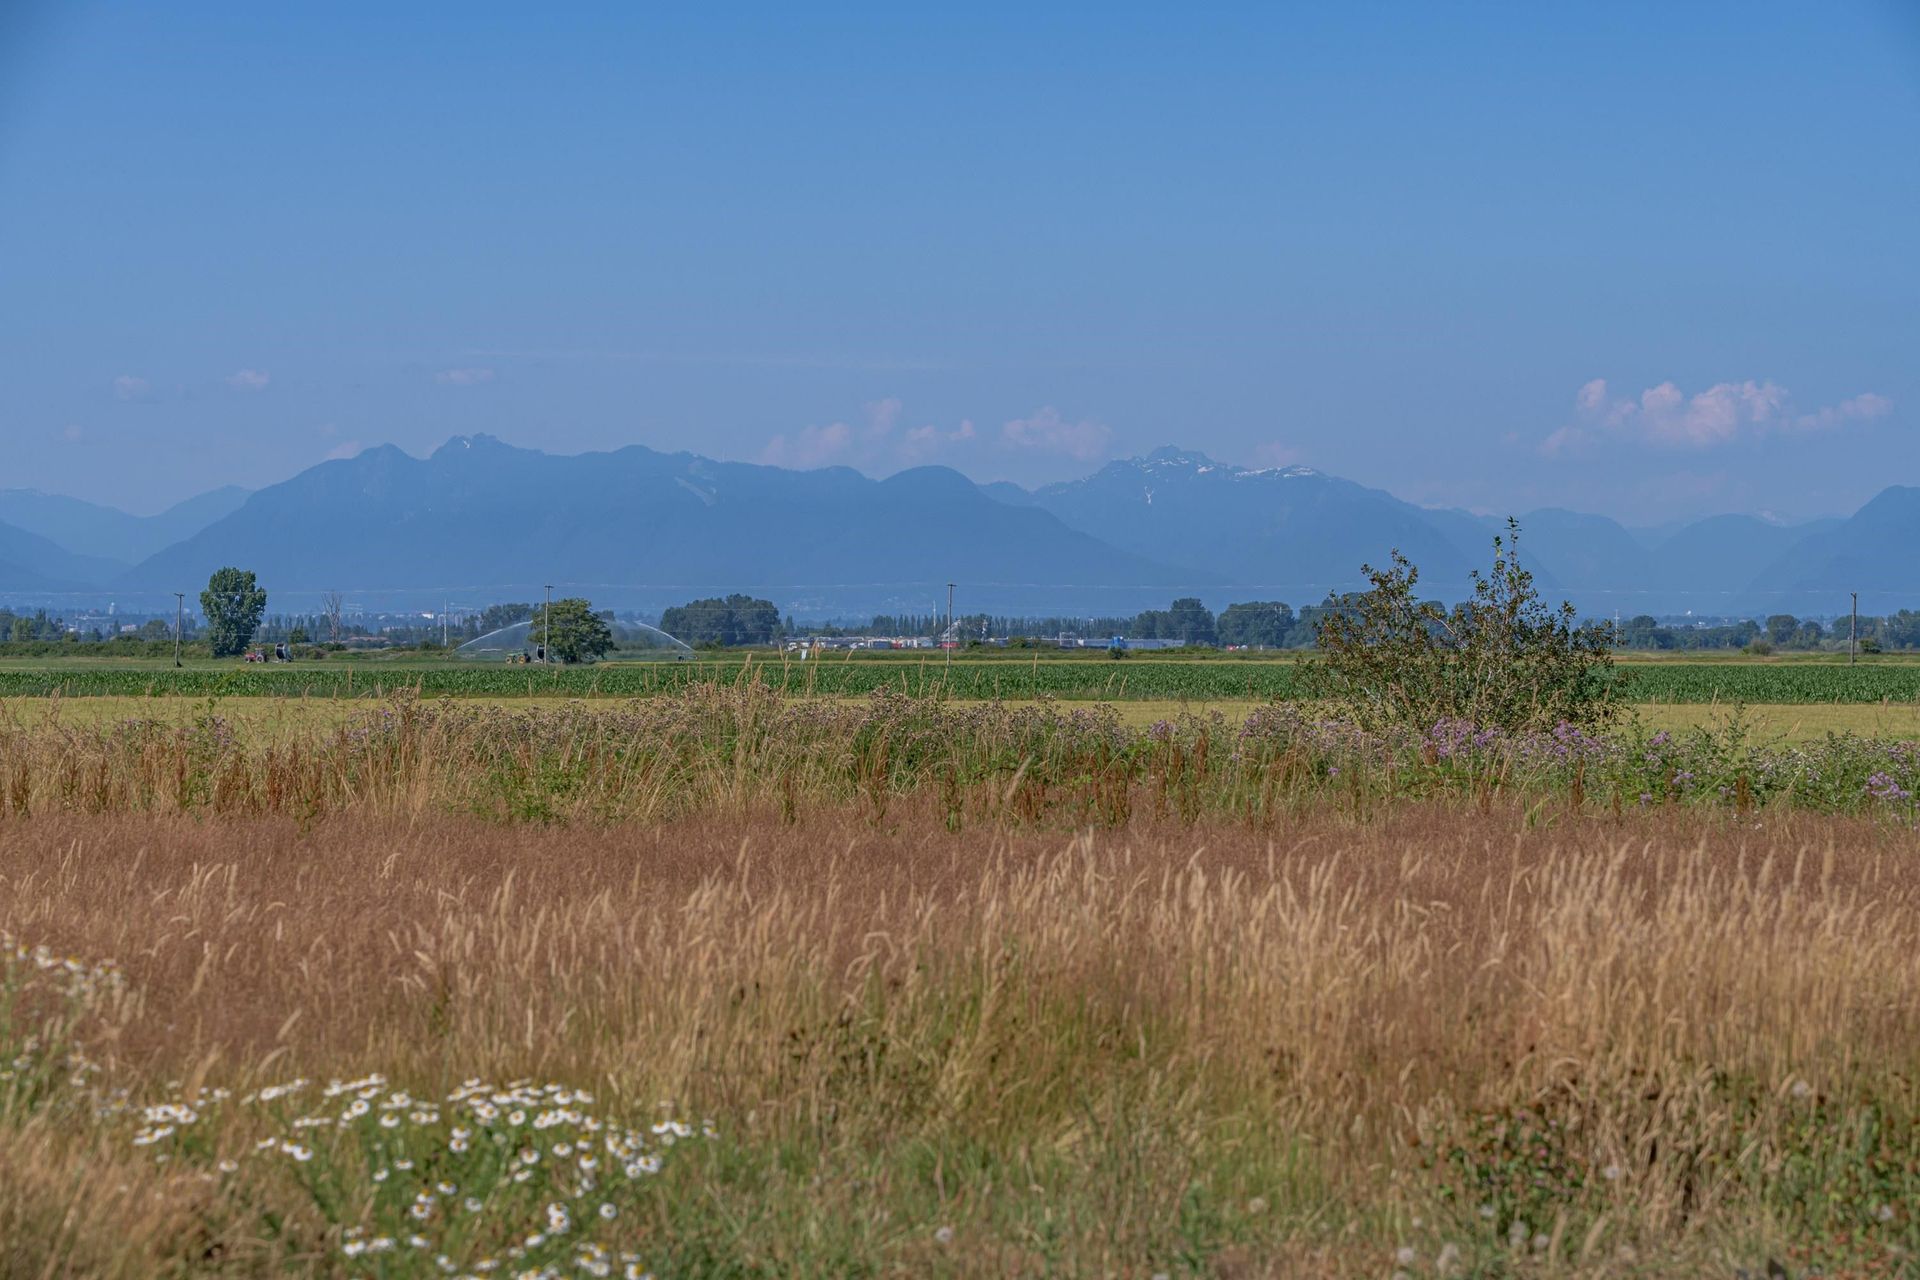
(249,380)
(743,359)
(925,442)
(809,447)
(882,415)
(877,443)
(128,387)
(345,449)
(463,377)
(1046,431)
(1856,409)
(1668,417)
(72,431)
(880,440)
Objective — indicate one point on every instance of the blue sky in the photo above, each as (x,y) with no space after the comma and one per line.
(1655,260)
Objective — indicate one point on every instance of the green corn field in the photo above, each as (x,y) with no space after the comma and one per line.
(1676,682)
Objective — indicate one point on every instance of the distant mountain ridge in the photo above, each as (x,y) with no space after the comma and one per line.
(635,525)
(1297,532)
(1288,530)
(106,533)
(638,528)
(29,562)
(1871,552)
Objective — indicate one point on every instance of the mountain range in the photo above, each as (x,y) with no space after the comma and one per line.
(107,533)
(480,520)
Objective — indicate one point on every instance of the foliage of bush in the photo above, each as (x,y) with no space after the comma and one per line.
(1503,658)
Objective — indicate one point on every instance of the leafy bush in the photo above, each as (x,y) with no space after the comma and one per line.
(1501,659)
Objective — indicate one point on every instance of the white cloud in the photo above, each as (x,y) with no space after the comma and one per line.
(877,445)
(1666,416)
(881,416)
(1856,409)
(1593,396)
(924,442)
(345,449)
(1563,441)
(1045,431)
(463,377)
(128,387)
(71,431)
(249,380)
(880,441)
(808,447)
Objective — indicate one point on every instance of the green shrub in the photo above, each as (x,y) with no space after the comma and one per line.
(1503,658)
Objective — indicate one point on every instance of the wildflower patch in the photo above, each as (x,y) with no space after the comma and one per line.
(523,1179)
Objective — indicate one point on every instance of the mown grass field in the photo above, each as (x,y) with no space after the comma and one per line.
(1077,678)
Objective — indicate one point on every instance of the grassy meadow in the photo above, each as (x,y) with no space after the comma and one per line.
(720,982)
(285,717)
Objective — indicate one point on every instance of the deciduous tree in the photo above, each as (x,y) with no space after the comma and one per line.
(572,633)
(233,603)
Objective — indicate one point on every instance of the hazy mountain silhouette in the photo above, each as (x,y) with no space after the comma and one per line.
(29,562)
(1871,552)
(635,524)
(1590,556)
(1291,532)
(108,533)
(1296,533)
(481,520)
(1723,558)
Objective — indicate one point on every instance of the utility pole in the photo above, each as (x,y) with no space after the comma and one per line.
(1853,630)
(443,624)
(179,607)
(944,642)
(546,633)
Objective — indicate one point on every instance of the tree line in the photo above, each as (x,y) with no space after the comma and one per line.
(1256,624)
(1780,632)
(234,608)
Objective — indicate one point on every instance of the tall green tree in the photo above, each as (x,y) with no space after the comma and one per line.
(233,603)
(738,619)
(1190,622)
(1263,624)
(574,632)
(496,616)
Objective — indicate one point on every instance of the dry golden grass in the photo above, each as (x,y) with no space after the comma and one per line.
(281,719)
(1663,1044)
